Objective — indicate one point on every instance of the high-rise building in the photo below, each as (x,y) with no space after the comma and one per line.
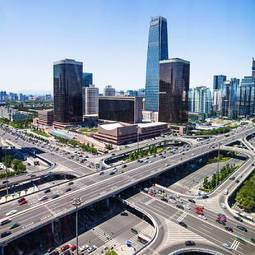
(109,91)
(90,100)
(229,98)
(253,67)
(67,75)
(218,81)
(200,100)
(87,79)
(173,90)
(120,108)
(246,97)
(157,50)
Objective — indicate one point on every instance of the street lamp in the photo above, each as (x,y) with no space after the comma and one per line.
(76,202)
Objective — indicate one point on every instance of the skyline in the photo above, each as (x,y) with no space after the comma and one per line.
(224,40)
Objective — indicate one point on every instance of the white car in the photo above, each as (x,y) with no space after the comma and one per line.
(11,212)
(223,205)
(202,217)
(187,207)
(43,198)
(227,245)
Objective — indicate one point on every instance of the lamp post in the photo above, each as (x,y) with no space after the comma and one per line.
(76,202)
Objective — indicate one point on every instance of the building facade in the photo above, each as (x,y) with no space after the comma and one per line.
(109,91)
(90,100)
(200,100)
(87,79)
(157,50)
(173,90)
(123,109)
(67,91)
(246,99)
(45,117)
(13,114)
(253,68)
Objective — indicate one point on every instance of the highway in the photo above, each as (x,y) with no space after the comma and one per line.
(204,228)
(42,213)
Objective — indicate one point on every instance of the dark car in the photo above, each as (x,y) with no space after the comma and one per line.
(238,218)
(70,183)
(47,191)
(229,229)
(68,189)
(192,201)
(124,214)
(55,196)
(180,206)
(232,178)
(124,166)
(205,196)
(6,233)
(237,181)
(190,243)
(183,224)
(242,228)
(253,240)
(14,225)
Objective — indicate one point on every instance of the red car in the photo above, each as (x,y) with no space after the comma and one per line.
(22,201)
(64,247)
(73,247)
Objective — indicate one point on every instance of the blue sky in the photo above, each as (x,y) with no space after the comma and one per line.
(110,37)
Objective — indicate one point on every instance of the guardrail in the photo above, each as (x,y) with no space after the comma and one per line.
(202,250)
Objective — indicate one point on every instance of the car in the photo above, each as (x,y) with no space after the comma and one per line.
(223,205)
(83,248)
(55,196)
(205,196)
(68,189)
(64,247)
(183,224)
(23,202)
(190,243)
(180,206)
(202,216)
(101,173)
(187,207)
(253,240)
(229,229)
(112,173)
(11,212)
(124,214)
(43,198)
(124,166)
(6,233)
(5,221)
(237,181)
(232,178)
(238,218)
(70,183)
(47,191)
(72,247)
(21,199)
(227,245)
(164,199)
(242,228)
(14,225)
(191,200)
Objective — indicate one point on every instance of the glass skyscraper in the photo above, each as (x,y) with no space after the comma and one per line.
(67,88)
(173,90)
(157,50)
(87,79)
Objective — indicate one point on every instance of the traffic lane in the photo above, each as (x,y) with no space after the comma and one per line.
(205,230)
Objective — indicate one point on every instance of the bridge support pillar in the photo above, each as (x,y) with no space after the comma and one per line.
(108,203)
(1,250)
(52,227)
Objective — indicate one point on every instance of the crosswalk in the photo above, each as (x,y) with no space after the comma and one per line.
(182,217)
(235,245)
(101,234)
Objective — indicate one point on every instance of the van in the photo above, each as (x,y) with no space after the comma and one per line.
(5,221)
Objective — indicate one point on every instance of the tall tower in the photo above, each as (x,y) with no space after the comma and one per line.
(253,67)
(67,86)
(157,50)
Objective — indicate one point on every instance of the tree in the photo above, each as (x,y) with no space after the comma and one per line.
(205,182)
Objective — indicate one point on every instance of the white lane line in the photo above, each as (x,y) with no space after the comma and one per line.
(235,245)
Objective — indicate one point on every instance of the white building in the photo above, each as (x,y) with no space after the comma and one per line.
(13,114)
(90,100)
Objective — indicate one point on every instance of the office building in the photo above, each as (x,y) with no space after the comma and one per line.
(45,117)
(13,114)
(200,100)
(90,100)
(87,79)
(229,98)
(3,96)
(67,92)
(253,67)
(246,97)
(109,91)
(218,81)
(123,109)
(157,50)
(173,90)
(124,133)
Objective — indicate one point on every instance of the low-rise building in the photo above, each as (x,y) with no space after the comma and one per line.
(123,133)
(13,114)
(45,117)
